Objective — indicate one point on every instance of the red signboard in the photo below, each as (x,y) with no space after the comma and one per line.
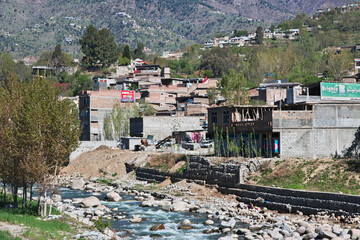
(127,96)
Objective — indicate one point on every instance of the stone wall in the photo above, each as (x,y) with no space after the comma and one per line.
(200,168)
(228,175)
(287,200)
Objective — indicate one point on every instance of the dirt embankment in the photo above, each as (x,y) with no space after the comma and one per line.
(326,175)
(104,160)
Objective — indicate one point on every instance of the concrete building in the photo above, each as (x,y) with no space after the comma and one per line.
(93,108)
(160,127)
(308,126)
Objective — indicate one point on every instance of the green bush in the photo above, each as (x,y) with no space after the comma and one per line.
(101,225)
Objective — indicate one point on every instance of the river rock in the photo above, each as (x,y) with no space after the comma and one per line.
(275,234)
(301,230)
(157,227)
(185,227)
(90,202)
(328,235)
(99,213)
(135,219)
(231,237)
(113,197)
(255,227)
(209,222)
(242,231)
(226,230)
(355,233)
(56,198)
(167,206)
(181,207)
(138,198)
(286,227)
(309,236)
(147,203)
(230,224)
(78,184)
(59,207)
(186,222)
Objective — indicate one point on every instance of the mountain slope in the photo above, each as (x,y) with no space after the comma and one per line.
(31,26)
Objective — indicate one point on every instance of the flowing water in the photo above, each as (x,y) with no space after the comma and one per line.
(171,220)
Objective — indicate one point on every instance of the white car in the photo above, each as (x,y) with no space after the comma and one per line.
(206,143)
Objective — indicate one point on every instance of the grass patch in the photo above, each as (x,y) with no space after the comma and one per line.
(164,162)
(54,229)
(317,175)
(182,168)
(7,236)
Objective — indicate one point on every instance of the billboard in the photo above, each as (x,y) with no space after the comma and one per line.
(339,91)
(127,96)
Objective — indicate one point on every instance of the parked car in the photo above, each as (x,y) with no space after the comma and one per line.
(206,143)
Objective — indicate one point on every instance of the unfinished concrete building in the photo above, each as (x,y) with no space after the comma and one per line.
(94,106)
(309,126)
(160,127)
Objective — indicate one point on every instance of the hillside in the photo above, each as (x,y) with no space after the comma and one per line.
(29,27)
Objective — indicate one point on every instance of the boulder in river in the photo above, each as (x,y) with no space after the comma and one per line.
(181,207)
(113,197)
(185,227)
(78,184)
(90,202)
(157,227)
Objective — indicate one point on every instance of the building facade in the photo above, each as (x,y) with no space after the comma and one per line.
(305,130)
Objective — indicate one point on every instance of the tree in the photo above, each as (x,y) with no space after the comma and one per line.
(126,52)
(56,56)
(138,52)
(81,82)
(218,60)
(37,134)
(339,64)
(106,50)
(240,33)
(98,47)
(259,35)
(125,59)
(233,88)
(7,67)
(117,123)
(88,44)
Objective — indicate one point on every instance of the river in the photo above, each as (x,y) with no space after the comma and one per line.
(171,220)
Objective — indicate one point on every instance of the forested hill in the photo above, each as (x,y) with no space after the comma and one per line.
(29,27)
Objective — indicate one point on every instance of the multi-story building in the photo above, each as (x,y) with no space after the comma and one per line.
(319,125)
(94,106)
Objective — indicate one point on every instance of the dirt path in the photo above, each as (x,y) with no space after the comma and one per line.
(14,230)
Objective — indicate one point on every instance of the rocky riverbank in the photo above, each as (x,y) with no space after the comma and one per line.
(224,215)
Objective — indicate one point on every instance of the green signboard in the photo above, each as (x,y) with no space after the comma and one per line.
(340,91)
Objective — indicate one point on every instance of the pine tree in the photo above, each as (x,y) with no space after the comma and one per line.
(99,47)
(259,35)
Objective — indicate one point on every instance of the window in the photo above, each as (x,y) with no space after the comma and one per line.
(226,119)
(214,117)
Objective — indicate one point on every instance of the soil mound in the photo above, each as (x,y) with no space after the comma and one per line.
(102,147)
(103,162)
